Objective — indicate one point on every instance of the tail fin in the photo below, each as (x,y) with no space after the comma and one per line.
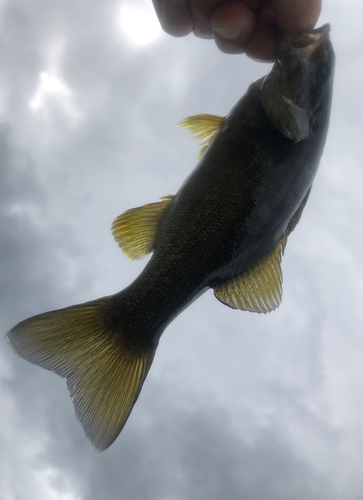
(104,372)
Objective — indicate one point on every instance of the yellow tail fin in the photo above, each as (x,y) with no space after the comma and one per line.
(104,371)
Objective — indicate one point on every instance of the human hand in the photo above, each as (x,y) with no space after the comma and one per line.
(238,25)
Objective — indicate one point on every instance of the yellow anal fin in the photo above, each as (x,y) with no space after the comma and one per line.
(104,374)
(135,230)
(204,128)
(259,289)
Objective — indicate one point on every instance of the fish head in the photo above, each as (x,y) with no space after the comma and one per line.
(300,83)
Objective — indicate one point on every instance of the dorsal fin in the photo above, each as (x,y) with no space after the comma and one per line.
(204,128)
(135,230)
(259,289)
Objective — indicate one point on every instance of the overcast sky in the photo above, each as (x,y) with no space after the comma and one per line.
(236,405)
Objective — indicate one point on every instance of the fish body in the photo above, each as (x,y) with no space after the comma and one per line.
(226,228)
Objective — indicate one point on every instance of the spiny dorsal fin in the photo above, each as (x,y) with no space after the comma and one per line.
(204,128)
(135,230)
(104,372)
(259,289)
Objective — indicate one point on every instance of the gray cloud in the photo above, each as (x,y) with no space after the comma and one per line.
(195,454)
(31,250)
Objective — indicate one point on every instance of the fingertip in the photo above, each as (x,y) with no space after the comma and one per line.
(300,15)
(232,24)
(261,48)
(174,16)
(229,46)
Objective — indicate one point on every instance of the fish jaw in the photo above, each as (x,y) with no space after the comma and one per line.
(292,92)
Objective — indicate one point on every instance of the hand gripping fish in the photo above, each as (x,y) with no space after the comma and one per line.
(226,229)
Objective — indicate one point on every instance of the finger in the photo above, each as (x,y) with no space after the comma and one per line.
(233,25)
(202,11)
(174,16)
(261,46)
(297,15)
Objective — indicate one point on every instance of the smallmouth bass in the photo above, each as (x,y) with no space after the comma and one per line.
(226,229)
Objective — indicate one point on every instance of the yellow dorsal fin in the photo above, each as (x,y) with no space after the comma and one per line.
(135,230)
(204,128)
(259,289)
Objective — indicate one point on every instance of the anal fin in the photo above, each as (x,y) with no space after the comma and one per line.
(134,231)
(259,289)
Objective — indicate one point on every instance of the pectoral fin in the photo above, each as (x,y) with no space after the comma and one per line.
(204,128)
(135,230)
(259,289)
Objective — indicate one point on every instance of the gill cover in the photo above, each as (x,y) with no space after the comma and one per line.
(288,91)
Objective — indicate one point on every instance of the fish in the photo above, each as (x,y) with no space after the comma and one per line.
(226,229)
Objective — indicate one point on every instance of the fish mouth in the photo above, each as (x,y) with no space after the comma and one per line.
(303,44)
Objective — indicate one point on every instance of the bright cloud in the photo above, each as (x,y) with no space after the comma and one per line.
(51,88)
(49,84)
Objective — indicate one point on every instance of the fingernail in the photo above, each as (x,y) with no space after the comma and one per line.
(229,33)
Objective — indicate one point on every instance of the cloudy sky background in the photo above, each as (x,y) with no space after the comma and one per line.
(236,405)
